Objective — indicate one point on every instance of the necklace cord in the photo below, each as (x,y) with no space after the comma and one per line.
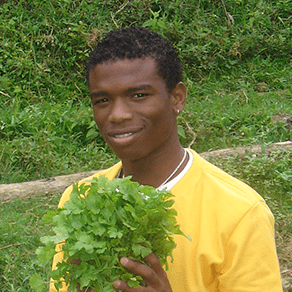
(176,169)
(169,177)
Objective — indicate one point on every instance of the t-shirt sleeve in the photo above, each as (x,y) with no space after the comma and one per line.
(252,264)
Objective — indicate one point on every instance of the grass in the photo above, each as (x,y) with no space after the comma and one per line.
(238,69)
(223,119)
(44,140)
(21,225)
(238,75)
(21,229)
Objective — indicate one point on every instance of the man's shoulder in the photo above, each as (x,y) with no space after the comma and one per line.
(110,173)
(222,183)
(218,196)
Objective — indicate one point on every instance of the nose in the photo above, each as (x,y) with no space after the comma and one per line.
(120,111)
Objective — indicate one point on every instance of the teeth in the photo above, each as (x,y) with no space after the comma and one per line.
(123,135)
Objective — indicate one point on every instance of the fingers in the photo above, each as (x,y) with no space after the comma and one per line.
(155,264)
(120,285)
(136,268)
(147,273)
(154,276)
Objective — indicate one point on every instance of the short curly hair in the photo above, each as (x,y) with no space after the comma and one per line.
(137,42)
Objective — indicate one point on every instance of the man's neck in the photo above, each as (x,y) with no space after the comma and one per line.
(156,168)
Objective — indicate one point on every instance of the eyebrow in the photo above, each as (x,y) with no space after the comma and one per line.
(98,94)
(128,90)
(140,87)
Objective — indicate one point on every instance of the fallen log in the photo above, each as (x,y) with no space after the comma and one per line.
(56,185)
(243,151)
(53,185)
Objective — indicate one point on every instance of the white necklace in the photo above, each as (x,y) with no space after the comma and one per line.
(169,177)
(176,169)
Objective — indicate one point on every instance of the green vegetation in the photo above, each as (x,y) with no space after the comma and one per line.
(21,228)
(237,66)
(138,220)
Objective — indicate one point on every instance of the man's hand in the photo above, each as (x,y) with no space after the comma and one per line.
(154,276)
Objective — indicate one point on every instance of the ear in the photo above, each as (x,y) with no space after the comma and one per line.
(178,97)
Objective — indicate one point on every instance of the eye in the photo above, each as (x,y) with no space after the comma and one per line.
(99,101)
(140,95)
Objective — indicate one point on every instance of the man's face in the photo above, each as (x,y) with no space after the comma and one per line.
(132,108)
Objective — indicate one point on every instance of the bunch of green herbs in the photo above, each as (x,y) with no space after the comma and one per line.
(104,221)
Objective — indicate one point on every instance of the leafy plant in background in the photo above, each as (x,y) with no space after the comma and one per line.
(102,222)
(238,73)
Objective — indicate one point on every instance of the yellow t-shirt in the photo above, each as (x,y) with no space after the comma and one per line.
(232,231)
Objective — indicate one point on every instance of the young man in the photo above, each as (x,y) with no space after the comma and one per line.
(135,82)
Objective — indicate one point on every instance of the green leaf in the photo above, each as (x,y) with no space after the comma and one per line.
(97,228)
(139,249)
(133,283)
(181,131)
(77,224)
(45,254)
(36,282)
(114,233)
(48,217)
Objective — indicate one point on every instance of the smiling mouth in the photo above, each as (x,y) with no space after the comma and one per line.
(123,135)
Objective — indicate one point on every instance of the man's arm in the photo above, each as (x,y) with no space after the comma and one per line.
(251,262)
